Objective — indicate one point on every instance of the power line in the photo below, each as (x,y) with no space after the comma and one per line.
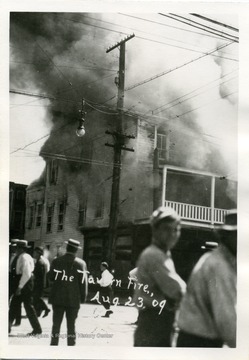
(65,66)
(50,97)
(165,119)
(155,41)
(43,96)
(47,135)
(27,105)
(104,163)
(131,28)
(187,112)
(180,102)
(163,24)
(110,164)
(215,22)
(93,81)
(144,116)
(31,143)
(205,26)
(59,92)
(147,39)
(184,22)
(180,97)
(176,68)
(78,159)
(184,48)
(63,75)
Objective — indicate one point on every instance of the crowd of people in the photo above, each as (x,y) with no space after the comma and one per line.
(201,313)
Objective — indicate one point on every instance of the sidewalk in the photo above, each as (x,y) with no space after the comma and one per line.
(92,329)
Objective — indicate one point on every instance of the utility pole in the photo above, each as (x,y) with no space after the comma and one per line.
(119,145)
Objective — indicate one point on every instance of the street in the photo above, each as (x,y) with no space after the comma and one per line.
(91,328)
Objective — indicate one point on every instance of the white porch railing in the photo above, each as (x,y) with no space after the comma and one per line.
(197,212)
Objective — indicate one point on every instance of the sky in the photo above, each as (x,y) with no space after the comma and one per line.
(169,73)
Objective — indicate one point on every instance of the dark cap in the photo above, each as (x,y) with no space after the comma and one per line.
(39,250)
(163,213)
(230,223)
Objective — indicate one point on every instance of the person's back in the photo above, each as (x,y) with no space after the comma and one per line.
(67,274)
(69,288)
(207,316)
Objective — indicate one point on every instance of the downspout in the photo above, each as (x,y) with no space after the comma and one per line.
(156,174)
(212,199)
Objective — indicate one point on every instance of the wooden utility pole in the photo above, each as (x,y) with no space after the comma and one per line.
(119,145)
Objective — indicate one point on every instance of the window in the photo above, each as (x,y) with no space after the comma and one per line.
(31,216)
(53,171)
(162,146)
(39,215)
(99,201)
(50,213)
(82,216)
(61,214)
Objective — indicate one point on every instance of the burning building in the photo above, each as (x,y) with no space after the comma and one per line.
(172,164)
(72,199)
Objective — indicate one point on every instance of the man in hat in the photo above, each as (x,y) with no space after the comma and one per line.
(162,288)
(40,272)
(69,289)
(23,293)
(207,316)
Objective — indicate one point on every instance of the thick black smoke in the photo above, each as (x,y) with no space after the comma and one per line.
(59,55)
(54,56)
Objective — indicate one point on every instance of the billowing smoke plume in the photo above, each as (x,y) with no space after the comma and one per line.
(57,57)
(225,89)
(58,54)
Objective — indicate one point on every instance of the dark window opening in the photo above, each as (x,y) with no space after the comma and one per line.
(99,202)
(61,215)
(53,172)
(50,213)
(82,216)
(31,216)
(39,215)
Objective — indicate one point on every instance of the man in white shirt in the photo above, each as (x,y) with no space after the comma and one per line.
(24,270)
(159,297)
(105,283)
(207,316)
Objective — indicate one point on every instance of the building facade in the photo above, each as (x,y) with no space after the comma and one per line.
(171,165)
